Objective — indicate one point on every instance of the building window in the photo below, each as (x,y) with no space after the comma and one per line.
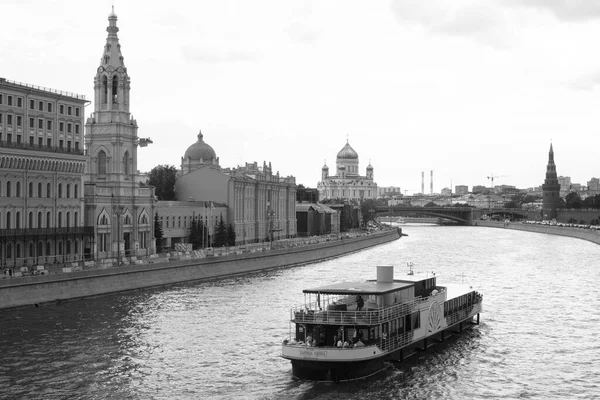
(1,98)
(9,119)
(8,220)
(30,220)
(101,162)
(19,120)
(69,110)
(61,126)
(76,191)
(104,89)
(9,100)
(30,190)
(31,123)
(49,107)
(60,143)
(59,220)
(18,220)
(31,104)
(39,189)
(49,142)
(68,128)
(39,220)
(115,85)
(68,189)
(48,191)
(18,189)
(49,125)
(48,225)
(76,145)
(62,109)
(8,189)
(41,106)
(40,124)
(77,111)
(126,163)
(77,129)
(19,102)
(40,141)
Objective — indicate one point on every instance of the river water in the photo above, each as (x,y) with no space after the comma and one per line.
(221,339)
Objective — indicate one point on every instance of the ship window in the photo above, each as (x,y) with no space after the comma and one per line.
(416,321)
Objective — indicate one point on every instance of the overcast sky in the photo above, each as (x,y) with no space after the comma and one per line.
(467,89)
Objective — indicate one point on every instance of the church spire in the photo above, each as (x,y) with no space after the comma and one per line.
(112,50)
(550,189)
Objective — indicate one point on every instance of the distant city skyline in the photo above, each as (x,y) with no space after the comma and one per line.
(464,89)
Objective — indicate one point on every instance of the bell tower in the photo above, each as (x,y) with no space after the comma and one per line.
(120,210)
(111,132)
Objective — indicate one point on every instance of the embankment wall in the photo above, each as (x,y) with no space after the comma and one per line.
(579,233)
(30,290)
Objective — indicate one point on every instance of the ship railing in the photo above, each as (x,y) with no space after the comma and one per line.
(462,314)
(300,315)
(395,342)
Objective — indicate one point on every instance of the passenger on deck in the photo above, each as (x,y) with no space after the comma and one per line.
(346,344)
(359,303)
(335,340)
(339,343)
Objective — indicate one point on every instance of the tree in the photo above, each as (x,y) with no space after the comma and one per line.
(163,179)
(230,235)
(158,234)
(221,234)
(511,204)
(573,200)
(592,201)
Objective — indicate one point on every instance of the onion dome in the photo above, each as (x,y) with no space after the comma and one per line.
(347,153)
(369,167)
(200,150)
(325,168)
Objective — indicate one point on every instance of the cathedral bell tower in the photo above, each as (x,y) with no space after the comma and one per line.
(120,210)
(111,132)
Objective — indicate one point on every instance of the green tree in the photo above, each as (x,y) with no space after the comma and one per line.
(592,201)
(221,234)
(163,179)
(511,204)
(158,234)
(230,235)
(573,200)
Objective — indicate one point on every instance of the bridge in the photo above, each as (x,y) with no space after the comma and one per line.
(461,215)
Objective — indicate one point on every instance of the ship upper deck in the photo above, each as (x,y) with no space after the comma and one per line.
(364,287)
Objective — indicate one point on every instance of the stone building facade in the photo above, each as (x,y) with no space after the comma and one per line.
(42,166)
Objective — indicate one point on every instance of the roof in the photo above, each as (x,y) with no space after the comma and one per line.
(366,287)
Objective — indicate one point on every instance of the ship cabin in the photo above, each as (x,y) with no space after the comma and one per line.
(364,313)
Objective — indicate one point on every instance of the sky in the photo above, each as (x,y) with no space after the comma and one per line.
(466,89)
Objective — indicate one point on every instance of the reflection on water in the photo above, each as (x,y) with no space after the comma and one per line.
(221,339)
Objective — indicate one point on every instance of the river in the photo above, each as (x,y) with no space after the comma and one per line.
(221,339)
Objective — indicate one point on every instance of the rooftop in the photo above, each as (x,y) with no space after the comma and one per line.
(43,89)
(366,287)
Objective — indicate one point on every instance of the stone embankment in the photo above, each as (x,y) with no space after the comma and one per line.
(574,232)
(38,289)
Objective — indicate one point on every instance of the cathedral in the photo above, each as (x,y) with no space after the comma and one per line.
(120,211)
(347,184)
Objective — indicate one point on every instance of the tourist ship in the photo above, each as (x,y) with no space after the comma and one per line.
(352,330)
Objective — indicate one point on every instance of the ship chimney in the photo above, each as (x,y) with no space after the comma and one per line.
(385,273)
(431,183)
(423,182)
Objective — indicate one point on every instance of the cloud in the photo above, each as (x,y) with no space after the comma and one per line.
(485,23)
(219,54)
(586,81)
(565,10)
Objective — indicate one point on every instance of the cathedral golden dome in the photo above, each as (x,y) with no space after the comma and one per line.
(200,150)
(347,153)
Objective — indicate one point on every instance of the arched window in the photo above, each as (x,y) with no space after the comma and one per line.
(104,89)
(18,189)
(8,215)
(18,250)
(101,162)
(40,248)
(30,194)
(48,191)
(8,251)
(75,221)
(39,219)
(48,252)
(30,219)
(59,220)
(115,86)
(60,190)
(48,220)
(68,190)
(31,250)
(18,220)
(126,163)
(68,219)
(76,191)
(68,247)
(8,184)
(40,189)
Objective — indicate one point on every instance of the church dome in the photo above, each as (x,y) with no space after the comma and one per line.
(325,168)
(200,150)
(347,153)
(369,167)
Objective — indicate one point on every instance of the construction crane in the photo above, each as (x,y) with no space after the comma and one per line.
(492,177)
